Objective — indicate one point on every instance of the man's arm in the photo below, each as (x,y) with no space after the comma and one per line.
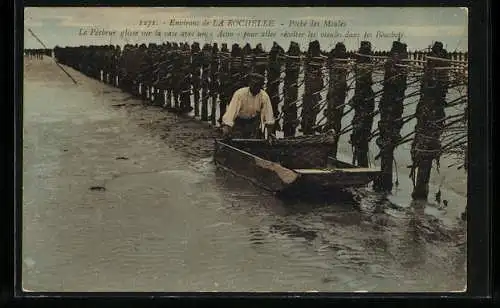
(230,115)
(232,110)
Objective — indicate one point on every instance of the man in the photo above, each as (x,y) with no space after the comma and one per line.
(249,109)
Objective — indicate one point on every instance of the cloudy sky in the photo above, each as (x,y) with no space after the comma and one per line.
(72,26)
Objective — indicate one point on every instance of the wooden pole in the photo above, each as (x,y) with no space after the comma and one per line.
(273,79)
(391,112)
(225,82)
(247,63)
(363,104)
(196,62)
(313,78)
(205,76)
(291,90)
(237,79)
(170,77)
(260,61)
(337,91)
(214,82)
(158,75)
(430,116)
(185,86)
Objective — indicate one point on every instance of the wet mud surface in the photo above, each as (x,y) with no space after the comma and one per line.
(122,196)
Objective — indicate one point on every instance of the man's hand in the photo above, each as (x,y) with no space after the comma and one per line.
(271,139)
(226,131)
(277,126)
(271,136)
(271,129)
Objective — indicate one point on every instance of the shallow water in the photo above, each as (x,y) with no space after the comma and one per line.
(167,220)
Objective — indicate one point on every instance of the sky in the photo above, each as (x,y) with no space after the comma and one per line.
(418,27)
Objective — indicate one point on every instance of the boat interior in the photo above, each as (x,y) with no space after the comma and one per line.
(305,157)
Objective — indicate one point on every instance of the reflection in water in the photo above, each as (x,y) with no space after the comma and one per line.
(412,246)
(257,236)
(293,231)
(168,220)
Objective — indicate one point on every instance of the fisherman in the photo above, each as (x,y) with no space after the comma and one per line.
(249,108)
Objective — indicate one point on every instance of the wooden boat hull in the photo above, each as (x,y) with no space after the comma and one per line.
(339,178)
(287,165)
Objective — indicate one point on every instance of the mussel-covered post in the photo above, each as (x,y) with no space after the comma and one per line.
(236,68)
(147,71)
(259,60)
(247,62)
(196,62)
(391,112)
(93,63)
(153,53)
(124,81)
(337,91)
(214,82)
(363,103)
(143,71)
(110,64)
(169,78)
(135,71)
(98,58)
(205,81)
(161,77)
(225,80)
(313,78)
(430,116)
(107,63)
(291,90)
(177,75)
(185,86)
(116,63)
(274,77)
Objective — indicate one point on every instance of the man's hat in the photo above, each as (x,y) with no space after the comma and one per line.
(256,77)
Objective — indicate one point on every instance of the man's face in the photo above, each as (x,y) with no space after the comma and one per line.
(255,87)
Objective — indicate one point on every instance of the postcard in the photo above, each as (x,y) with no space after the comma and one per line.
(257,149)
